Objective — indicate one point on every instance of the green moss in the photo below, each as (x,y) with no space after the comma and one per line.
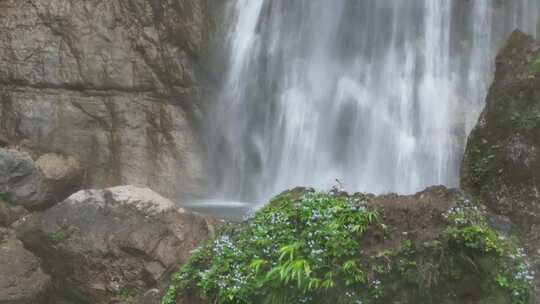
(497,259)
(535,66)
(318,248)
(62,234)
(483,161)
(526,121)
(126,296)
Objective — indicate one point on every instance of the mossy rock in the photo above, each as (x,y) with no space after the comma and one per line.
(501,166)
(313,247)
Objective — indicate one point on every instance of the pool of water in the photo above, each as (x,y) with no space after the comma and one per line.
(222,209)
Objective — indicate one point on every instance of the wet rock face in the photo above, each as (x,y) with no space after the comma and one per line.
(22,280)
(100,246)
(117,83)
(502,164)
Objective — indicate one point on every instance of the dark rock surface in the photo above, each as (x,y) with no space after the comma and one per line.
(502,161)
(9,214)
(21,183)
(22,281)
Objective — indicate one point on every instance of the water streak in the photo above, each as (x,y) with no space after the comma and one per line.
(378,94)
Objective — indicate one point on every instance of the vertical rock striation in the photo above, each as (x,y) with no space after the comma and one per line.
(117,83)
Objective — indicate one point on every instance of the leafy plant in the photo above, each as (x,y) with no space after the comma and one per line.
(318,248)
(535,66)
(289,252)
(483,161)
(499,258)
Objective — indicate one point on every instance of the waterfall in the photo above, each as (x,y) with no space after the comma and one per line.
(378,94)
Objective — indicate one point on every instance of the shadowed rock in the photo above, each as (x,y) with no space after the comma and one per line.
(20,181)
(22,281)
(501,166)
(63,174)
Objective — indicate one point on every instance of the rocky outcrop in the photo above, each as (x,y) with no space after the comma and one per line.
(112,245)
(22,281)
(117,83)
(502,161)
(20,181)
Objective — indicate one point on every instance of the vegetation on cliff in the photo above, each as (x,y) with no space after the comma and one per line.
(313,247)
(501,167)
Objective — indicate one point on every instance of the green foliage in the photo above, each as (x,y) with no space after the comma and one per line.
(483,162)
(526,121)
(496,258)
(170,296)
(126,296)
(62,234)
(319,248)
(535,66)
(290,252)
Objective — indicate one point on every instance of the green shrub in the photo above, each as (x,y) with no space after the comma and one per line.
(319,248)
(535,67)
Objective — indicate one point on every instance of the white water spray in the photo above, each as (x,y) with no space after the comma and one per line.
(378,94)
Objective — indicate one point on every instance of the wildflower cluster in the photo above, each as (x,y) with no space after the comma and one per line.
(465,213)
(293,251)
(503,261)
(321,248)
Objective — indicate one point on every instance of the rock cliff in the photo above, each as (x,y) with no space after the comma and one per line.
(117,83)
(501,166)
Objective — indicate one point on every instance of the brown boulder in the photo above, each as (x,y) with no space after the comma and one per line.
(100,245)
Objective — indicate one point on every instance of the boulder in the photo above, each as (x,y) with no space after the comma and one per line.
(21,183)
(22,281)
(101,246)
(501,166)
(63,174)
(37,185)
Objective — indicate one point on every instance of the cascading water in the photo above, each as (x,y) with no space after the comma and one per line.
(378,94)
